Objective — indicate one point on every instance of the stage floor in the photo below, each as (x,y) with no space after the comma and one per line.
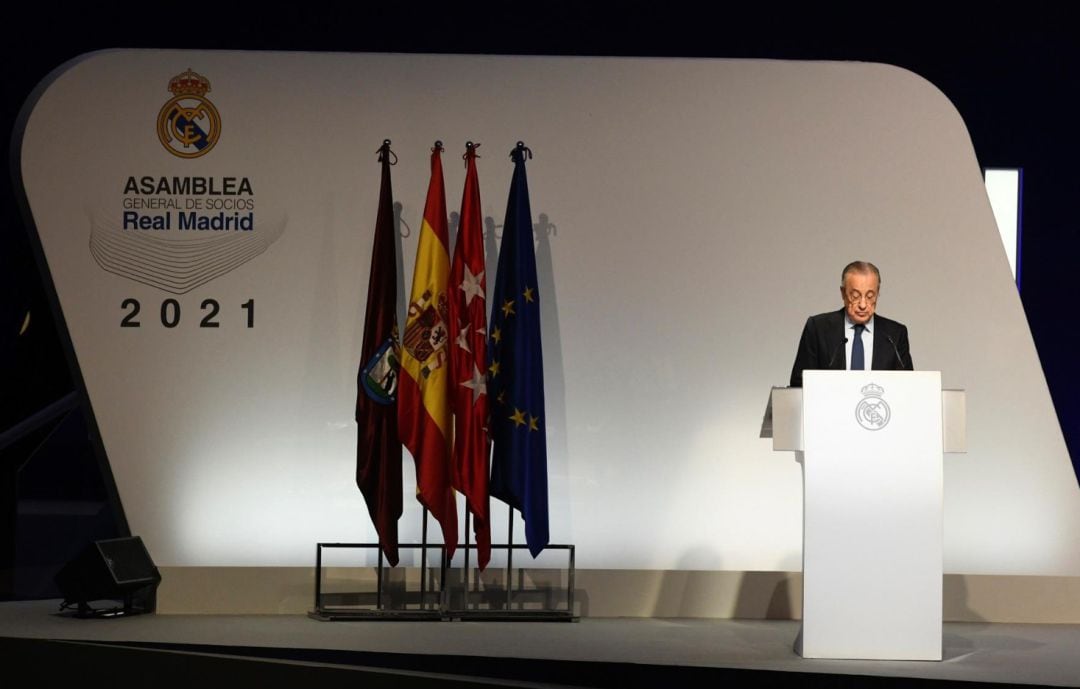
(998,653)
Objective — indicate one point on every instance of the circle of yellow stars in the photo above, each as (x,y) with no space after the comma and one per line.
(519,417)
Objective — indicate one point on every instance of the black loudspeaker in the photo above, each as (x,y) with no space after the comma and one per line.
(118,569)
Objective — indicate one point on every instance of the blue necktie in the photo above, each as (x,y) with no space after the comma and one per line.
(858,358)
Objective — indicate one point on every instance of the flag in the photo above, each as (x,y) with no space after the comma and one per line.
(516,371)
(378,449)
(424,416)
(468,361)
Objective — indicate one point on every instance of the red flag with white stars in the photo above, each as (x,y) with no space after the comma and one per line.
(468,361)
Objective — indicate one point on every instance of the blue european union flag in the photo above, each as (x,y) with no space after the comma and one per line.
(516,370)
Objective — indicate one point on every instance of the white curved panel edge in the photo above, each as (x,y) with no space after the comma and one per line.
(694,213)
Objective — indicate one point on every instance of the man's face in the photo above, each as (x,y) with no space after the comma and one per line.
(860,293)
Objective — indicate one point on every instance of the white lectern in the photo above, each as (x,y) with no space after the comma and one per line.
(872,508)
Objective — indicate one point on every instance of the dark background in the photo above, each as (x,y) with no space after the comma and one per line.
(1013,75)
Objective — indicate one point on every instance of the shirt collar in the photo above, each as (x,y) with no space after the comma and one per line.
(848,325)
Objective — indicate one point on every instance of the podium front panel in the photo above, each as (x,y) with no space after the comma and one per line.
(872,515)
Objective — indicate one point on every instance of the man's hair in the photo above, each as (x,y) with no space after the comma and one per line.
(864,267)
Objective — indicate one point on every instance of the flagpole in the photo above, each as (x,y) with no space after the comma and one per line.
(509,554)
(468,528)
(470,150)
(378,580)
(423,561)
(444,593)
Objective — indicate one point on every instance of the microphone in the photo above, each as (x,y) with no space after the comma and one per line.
(897,351)
(836,350)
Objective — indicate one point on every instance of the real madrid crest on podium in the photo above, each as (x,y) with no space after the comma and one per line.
(189,125)
(873,412)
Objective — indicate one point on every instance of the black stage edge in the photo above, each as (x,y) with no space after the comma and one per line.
(124,664)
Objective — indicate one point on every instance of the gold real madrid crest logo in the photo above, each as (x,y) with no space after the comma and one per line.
(189,125)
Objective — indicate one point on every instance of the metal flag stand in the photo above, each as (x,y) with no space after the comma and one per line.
(508,612)
(358,605)
(330,612)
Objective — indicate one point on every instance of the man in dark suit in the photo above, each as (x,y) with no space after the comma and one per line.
(853,338)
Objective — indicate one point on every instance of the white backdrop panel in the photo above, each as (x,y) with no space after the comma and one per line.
(691,214)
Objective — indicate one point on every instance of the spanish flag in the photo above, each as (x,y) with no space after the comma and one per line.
(424,416)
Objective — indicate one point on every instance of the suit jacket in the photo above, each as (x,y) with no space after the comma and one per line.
(822,346)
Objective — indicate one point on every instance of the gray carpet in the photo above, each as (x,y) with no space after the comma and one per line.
(1010,653)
